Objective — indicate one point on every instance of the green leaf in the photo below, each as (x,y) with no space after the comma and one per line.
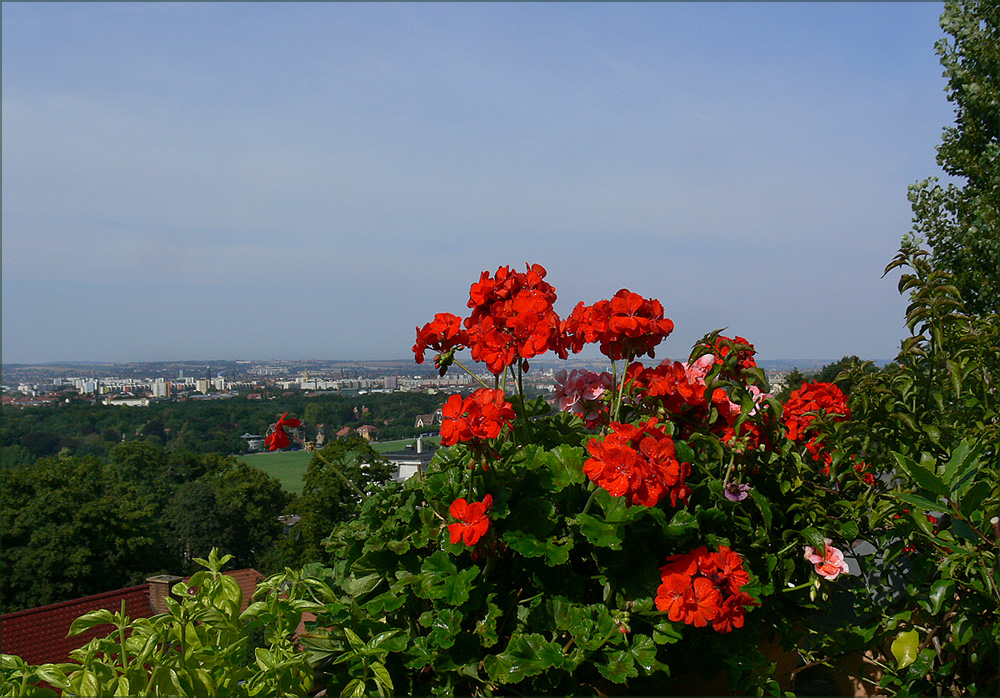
(963,630)
(356,587)
(916,501)
(354,687)
(666,633)
(599,532)
(439,578)
(619,667)
(643,649)
(557,551)
(973,497)
(561,467)
(382,675)
(88,620)
(924,477)
(526,655)
(762,504)
(524,543)
(941,590)
(904,648)
(815,539)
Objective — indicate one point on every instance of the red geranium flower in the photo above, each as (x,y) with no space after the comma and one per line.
(442,334)
(702,587)
(626,326)
(481,415)
(279,439)
(810,401)
(473,522)
(639,463)
(512,317)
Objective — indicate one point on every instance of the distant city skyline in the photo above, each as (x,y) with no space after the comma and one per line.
(312,180)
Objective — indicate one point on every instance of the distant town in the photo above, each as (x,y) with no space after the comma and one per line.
(136,384)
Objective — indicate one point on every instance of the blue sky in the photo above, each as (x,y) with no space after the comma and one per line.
(215,180)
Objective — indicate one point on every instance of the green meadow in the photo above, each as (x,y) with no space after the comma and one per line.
(289,467)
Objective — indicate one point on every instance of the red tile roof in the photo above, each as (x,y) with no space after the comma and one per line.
(38,635)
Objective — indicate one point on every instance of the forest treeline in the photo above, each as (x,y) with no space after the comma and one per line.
(76,525)
(197,426)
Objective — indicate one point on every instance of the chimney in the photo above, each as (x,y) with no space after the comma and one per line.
(420,445)
(159,590)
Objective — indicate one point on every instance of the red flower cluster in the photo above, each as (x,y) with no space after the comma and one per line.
(808,402)
(626,326)
(473,521)
(638,462)
(804,406)
(442,334)
(279,439)
(702,587)
(479,416)
(678,387)
(723,345)
(512,317)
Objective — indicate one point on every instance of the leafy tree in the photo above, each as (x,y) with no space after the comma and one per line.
(961,222)
(194,521)
(68,528)
(335,484)
(250,502)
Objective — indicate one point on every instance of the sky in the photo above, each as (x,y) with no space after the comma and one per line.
(313,181)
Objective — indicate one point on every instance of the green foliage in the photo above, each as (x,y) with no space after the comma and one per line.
(72,526)
(931,422)
(961,222)
(338,478)
(200,647)
(201,426)
(559,598)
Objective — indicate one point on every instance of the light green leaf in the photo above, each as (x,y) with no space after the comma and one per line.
(87,621)
(904,648)
(382,675)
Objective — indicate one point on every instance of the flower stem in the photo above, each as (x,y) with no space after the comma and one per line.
(335,469)
(462,366)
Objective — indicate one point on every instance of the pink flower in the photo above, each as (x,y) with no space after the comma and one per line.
(758,397)
(697,371)
(830,564)
(580,392)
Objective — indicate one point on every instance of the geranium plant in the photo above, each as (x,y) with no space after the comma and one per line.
(652,522)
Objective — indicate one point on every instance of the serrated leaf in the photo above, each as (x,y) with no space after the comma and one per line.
(562,466)
(526,655)
(643,649)
(924,477)
(524,543)
(619,667)
(599,532)
(557,551)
